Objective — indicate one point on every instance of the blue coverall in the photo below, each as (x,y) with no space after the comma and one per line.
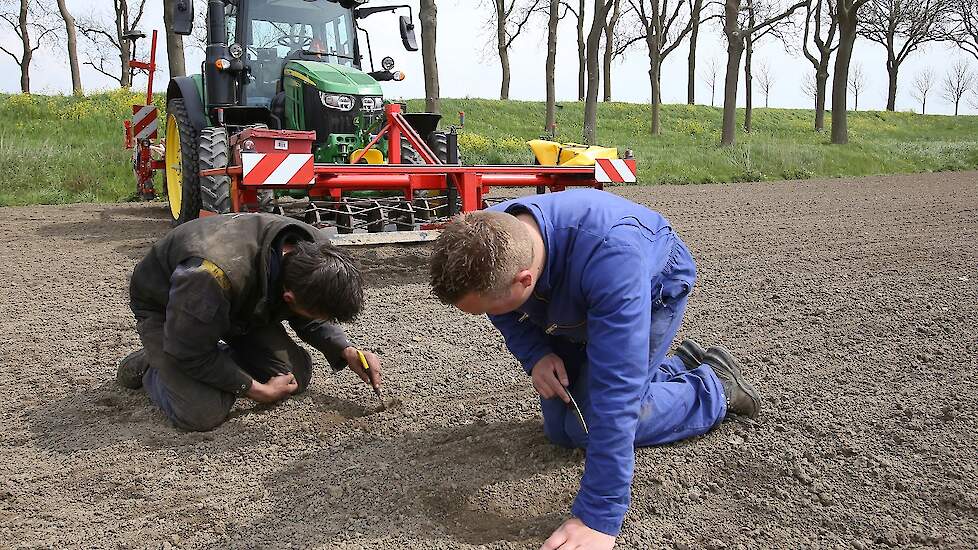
(609,302)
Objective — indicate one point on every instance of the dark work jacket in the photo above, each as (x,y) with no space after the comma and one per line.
(202,307)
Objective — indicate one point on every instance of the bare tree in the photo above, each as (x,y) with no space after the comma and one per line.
(429,33)
(578,13)
(658,23)
(847,15)
(759,10)
(695,16)
(923,84)
(766,79)
(553,19)
(821,16)
(736,28)
(510,18)
(108,40)
(71,44)
(601,10)
(809,87)
(30,23)
(857,83)
(963,25)
(174,42)
(958,82)
(711,79)
(610,40)
(902,26)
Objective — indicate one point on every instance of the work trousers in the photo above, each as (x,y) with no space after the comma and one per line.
(676,403)
(196,406)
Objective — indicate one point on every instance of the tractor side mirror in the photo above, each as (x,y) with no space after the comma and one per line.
(407,34)
(183,17)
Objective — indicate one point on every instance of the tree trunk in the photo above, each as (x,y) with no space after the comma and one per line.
(956,103)
(550,124)
(821,78)
(697,9)
(609,48)
(121,26)
(593,77)
(581,53)
(76,87)
(25,61)
(655,77)
(840,78)
(892,68)
(923,106)
(502,49)
(748,82)
(735,49)
(174,42)
(429,32)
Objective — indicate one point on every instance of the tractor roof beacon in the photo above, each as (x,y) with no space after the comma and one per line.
(284,118)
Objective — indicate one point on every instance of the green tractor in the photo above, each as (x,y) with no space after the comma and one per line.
(281,66)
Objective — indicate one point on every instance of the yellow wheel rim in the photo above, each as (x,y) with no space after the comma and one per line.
(174,166)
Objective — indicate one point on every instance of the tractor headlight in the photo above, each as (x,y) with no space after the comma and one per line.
(372,103)
(236,50)
(337,101)
(387,63)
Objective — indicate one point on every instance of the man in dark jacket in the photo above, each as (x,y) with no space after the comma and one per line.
(588,291)
(209,300)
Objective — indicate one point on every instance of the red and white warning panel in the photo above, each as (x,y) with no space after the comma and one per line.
(277,169)
(145,121)
(615,171)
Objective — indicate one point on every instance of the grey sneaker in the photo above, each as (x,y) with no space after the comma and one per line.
(131,370)
(691,353)
(742,398)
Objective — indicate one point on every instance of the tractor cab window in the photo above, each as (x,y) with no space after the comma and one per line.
(276,31)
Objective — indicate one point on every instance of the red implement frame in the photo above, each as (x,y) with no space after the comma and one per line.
(142,160)
(471,182)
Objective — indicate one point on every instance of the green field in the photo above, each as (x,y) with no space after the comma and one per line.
(56,149)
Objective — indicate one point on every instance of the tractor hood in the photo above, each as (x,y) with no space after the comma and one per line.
(338,79)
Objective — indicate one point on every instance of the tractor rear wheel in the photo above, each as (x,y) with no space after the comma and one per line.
(439,145)
(215,191)
(182,180)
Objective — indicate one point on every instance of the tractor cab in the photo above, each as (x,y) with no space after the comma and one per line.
(266,34)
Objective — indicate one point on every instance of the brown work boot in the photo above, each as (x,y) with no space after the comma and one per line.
(691,353)
(742,398)
(131,370)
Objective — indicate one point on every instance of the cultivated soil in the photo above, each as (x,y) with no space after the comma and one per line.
(853,305)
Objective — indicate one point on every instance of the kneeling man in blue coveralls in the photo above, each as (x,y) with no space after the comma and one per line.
(588,290)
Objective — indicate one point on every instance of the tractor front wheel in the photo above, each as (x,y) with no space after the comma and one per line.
(215,191)
(182,181)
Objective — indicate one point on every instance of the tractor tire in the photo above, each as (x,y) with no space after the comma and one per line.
(439,145)
(181,160)
(215,191)
(408,154)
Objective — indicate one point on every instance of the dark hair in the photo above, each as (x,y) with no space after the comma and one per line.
(324,280)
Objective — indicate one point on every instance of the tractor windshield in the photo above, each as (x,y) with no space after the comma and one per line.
(274,31)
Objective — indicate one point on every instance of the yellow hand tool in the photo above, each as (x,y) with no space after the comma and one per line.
(366,367)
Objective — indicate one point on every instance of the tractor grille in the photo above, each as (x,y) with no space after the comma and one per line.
(326,121)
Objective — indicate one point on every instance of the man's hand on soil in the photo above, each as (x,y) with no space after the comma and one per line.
(550,378)
(372,375)
(574,535)
(276,389)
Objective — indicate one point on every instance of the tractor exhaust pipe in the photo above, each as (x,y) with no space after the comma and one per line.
(220,82)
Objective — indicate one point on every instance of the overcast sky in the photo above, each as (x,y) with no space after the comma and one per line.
(470,68)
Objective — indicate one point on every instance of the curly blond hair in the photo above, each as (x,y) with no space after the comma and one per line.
(479,252)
